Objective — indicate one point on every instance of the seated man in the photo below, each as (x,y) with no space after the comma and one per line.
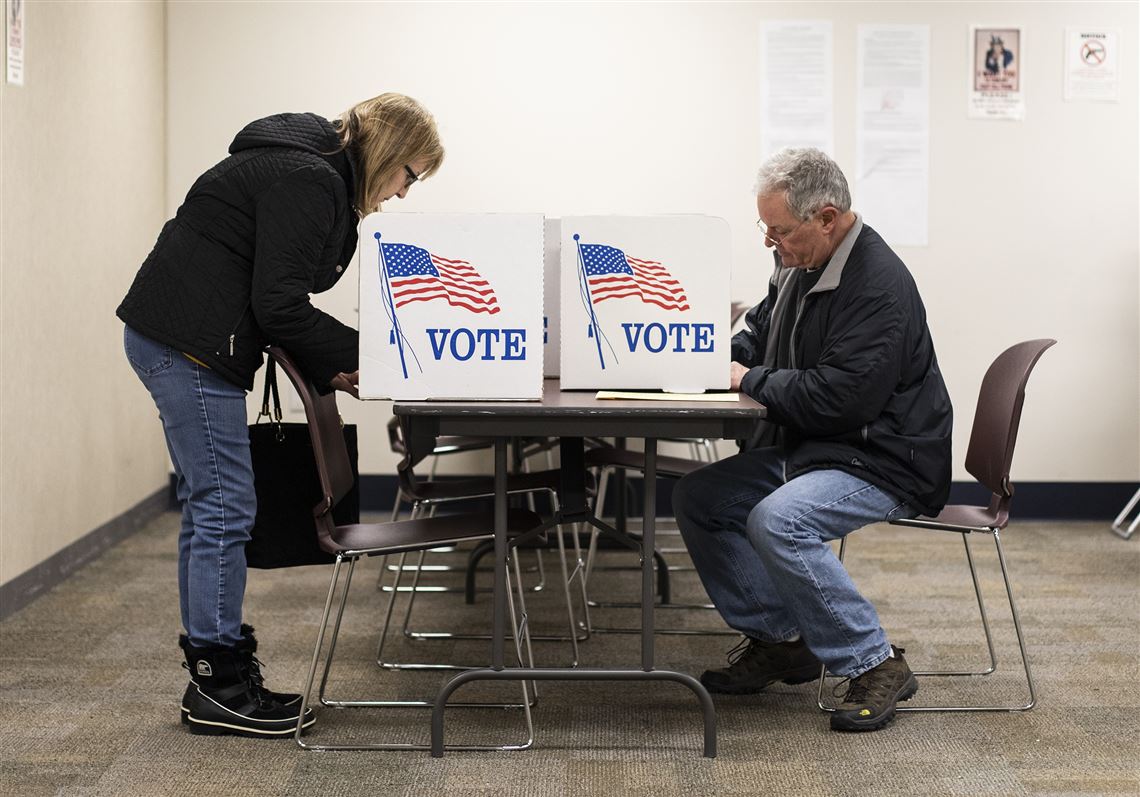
(858,432)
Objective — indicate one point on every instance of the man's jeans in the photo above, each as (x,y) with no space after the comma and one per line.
(761,548)
(204,419)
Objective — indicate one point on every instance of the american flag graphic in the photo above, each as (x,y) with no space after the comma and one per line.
(612,274)
(416,275)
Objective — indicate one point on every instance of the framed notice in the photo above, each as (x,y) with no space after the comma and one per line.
(15,14)
(997,76)
(1092,64)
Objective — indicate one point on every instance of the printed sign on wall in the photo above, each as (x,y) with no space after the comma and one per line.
(451,306)
(645,302)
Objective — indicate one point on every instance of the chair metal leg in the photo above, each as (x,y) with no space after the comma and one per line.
(526,703)
(336,633)
(1118,524)
(1032,699)
(573,636)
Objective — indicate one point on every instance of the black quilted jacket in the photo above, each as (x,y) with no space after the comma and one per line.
(258,233)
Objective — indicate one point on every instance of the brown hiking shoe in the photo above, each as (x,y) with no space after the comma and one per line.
(754,665)
(871,697)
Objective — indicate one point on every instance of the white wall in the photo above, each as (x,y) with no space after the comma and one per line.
(83,159)
(646,108)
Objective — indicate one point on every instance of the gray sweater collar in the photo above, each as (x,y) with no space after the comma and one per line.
(829,281)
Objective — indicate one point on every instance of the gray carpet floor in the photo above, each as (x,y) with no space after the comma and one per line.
(90,682)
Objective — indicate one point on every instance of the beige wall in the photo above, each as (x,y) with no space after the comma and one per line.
(1053,253)
(82,201)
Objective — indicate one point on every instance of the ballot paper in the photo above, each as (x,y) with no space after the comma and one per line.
(640,395)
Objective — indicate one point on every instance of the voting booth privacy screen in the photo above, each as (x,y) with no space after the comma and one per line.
(451,306)
(645,302)
(552,317)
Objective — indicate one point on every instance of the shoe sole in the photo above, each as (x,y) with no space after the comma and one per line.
(203,728)
(185,710)
(842,722)
(792,677)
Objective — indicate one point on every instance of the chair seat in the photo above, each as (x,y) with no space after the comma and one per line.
(436,490)
(635,460)
(452,444)
(957,517)
(420,533)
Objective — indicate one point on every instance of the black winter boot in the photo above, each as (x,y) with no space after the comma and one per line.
(247,648)
(225,698)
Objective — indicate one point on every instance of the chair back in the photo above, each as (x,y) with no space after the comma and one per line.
(997,417)
(327,435)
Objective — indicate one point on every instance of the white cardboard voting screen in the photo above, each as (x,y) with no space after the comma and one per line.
(451,306)
(645,302)
(552,264)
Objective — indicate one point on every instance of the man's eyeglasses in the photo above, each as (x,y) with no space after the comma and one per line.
(776,239)
(412,176)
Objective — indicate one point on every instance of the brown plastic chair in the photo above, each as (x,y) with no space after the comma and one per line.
(988,459)
(352,542)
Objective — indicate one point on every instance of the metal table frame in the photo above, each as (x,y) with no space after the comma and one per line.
(571,416)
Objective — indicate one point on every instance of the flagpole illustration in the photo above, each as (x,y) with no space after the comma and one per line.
(584,283)
(396,331)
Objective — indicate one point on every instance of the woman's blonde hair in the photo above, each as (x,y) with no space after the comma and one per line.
(385,134)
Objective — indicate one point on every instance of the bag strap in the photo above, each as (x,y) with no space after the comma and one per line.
(270,390)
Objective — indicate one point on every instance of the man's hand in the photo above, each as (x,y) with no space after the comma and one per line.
(736,374)
(347,382)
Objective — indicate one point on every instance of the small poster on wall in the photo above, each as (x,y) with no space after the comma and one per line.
(996,72)
(15,14)
(451,306)
(1092,58)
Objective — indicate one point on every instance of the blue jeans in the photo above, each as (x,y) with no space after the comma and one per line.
(760,546)
(204,420)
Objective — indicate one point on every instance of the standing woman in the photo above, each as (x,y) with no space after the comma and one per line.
(233,271)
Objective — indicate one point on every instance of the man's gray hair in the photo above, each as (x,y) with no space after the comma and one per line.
(810,179)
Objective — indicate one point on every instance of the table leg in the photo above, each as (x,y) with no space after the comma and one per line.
(499,600)
(648,546)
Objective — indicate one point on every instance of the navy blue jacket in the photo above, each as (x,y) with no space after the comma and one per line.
(864,393)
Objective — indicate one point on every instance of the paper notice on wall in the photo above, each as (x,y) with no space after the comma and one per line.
(15,14)
(892,134)
(997,76)
(1092,64)
(796,91)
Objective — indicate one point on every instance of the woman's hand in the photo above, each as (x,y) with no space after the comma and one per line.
(347,383)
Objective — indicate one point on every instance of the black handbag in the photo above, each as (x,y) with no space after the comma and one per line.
(288,488)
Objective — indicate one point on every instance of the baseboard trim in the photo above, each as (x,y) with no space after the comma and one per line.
(29,585)
(1033,500)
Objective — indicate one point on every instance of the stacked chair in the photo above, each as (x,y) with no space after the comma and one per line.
(426,495)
